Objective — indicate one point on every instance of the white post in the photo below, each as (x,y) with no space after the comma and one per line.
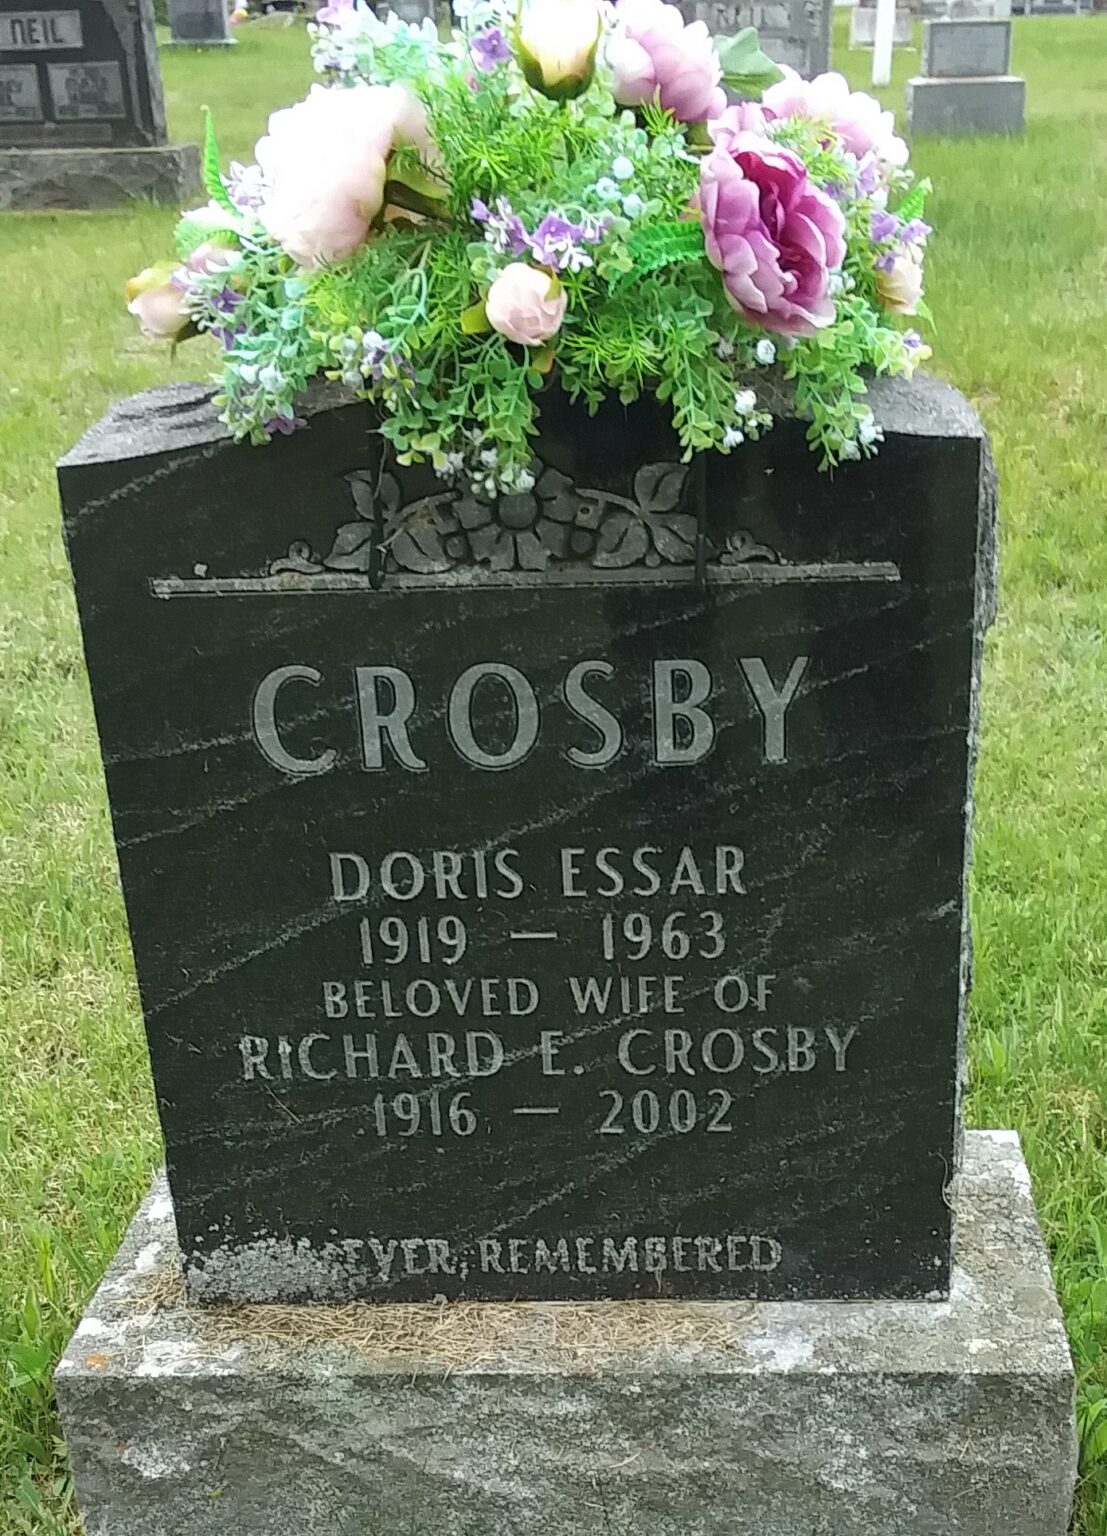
(882,41)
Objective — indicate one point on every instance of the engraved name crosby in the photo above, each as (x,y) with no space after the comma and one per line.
(393,723)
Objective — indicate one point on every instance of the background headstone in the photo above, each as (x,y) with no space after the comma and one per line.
(965,10)
(862,26)
(82,120)
(516,915)
(953,49)
(792,32)
(200,23)
(966,87)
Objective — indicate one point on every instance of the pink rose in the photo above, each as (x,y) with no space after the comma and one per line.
(771,233)
(324,164)
(653,50)
(861,123)
(526,304)
(901,289)
(156,298)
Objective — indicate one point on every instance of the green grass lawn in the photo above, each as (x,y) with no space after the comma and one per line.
(1019,284)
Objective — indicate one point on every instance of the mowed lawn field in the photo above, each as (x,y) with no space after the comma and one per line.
(1018,281)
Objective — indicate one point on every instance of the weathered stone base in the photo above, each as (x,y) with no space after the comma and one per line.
(97,178)
(992,104)
(682,1419)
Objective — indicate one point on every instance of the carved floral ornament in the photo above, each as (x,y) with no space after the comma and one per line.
(555,522)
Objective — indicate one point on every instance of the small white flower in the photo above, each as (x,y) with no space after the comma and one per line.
(868,432)
(621,168)
(744,401)
(524,480)
(849,450)
(765,352)
(732,438)
(271,378)
(607,190)
(488,456)
(633,206)
(724,348)
(835,285)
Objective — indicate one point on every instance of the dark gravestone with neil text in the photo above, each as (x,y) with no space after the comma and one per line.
(82,120)
(560,899)
(83,73)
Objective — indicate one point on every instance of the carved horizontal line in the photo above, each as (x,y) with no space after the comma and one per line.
(294,584)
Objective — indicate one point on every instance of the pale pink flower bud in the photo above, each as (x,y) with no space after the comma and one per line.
(156,298)
(901,289)
(526,304)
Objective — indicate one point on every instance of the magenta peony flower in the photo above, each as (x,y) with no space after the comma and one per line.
(771,233)
(861,123)
(324,166)
(653,50)
(526,304)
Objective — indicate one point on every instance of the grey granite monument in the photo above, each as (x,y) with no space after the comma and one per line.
(82,120)
(200,24)
(966,86)
(862,26)
(792,32)
(550,924)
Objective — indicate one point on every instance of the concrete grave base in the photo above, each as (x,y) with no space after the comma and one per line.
(97,178)
(967,105)
(683,1419)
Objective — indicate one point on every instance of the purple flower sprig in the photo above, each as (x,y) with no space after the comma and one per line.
(383,360)
(503,228)
(557,243)
(224,304)
(885,227)
(283,424)
(489,48)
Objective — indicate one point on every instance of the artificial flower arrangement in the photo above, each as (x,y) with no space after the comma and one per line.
(601,194)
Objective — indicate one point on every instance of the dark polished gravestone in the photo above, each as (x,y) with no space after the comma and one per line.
(530,901)
(200,23)
(82,120)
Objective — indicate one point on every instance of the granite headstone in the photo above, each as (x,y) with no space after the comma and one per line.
(862,26)
(966,86)
(82,120)
(966,49)
(792,32)
(200,23)
(83,73)
(561,898)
